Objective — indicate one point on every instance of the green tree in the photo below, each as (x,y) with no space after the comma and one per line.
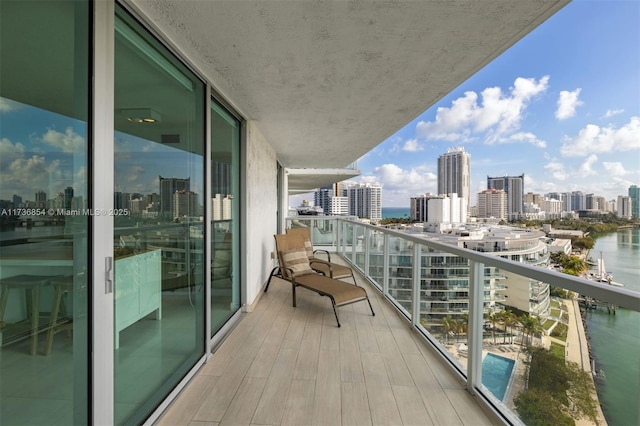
(494,320)
(530,326)
(509,319)
(447,326)
(538,408)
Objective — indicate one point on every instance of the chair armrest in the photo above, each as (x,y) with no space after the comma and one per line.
(322,262)
(323,251)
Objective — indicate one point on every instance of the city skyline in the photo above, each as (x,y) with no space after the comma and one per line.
(561,107)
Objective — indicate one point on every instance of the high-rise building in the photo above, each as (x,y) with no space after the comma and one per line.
(531,198)
(454,174)
(578,201)
(184,203)
(322,197)
(438,208)
(17,201)
(168,187)
(221,207)
(68,196)
(634,194)
(41,199)
(513,186)
(365,200)
(339,206)
(624,206)
(492,203)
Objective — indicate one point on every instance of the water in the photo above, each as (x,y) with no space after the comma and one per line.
(399,212)
(496,373)
(615,339)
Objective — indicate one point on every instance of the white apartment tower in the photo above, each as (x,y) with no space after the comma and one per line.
(513,186)
(454,173)
(365,201)
(492,203)
(624,206)
(439,208)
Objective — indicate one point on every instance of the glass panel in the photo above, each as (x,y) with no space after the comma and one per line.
(159,199)
(359,241)
(225,165)
(376,257)
(44,102)
(401,273)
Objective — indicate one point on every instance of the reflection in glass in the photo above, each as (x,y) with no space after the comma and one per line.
(159,234)
(43,225)
(225,284)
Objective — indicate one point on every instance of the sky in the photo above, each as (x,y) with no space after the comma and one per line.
(562,107)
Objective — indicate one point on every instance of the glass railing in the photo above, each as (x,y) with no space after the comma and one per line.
(506,326)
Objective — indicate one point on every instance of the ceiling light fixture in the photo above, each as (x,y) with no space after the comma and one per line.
(141,115)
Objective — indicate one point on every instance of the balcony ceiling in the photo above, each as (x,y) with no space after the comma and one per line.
(327,81)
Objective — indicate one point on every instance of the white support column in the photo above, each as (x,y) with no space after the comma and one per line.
(474,331)
(284,199)
(101,183)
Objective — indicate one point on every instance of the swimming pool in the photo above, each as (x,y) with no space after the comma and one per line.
(496,373)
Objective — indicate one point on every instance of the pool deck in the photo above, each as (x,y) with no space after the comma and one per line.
(576,351)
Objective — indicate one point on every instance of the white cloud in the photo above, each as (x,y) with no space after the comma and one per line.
(614,168)
(610,113)
(399,185)
(6,105)
(8,147)
(586,168)
(567,104)
(412,145)
(495,119)
(595,139)
(556,169)
(69,141)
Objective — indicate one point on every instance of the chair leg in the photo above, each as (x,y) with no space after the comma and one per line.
(293,293)
(369,302)
(273,272)
(335,312)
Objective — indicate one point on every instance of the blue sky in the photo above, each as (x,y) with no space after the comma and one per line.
(561,106)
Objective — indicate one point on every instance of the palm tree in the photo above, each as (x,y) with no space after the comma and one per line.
(509,319)
(447,326)
(530,326)
(494,319)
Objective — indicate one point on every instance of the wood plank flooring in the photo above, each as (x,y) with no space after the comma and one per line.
(293,366)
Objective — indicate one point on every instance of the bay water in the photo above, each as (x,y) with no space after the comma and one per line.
(615,339)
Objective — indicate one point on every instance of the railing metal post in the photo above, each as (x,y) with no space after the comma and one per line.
(367,236)
(474,330)
(415,298)
(354,243)
(385,265)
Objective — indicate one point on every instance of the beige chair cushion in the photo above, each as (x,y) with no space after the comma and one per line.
(309,248)
(297,261)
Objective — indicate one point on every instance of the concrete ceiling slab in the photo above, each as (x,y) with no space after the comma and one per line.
(327,81)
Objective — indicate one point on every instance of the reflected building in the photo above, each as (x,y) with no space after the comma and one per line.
(168,187)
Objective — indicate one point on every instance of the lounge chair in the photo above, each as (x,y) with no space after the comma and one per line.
(325,267)
(296,268)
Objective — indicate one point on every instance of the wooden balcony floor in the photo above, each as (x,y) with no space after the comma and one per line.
(293,366)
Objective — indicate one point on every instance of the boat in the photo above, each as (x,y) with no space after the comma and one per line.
(603,276)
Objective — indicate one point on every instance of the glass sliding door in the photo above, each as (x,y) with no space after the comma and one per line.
(225,165)
(44,103)
(158,225)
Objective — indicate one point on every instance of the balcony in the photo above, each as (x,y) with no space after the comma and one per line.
(411,363)
(285,365)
